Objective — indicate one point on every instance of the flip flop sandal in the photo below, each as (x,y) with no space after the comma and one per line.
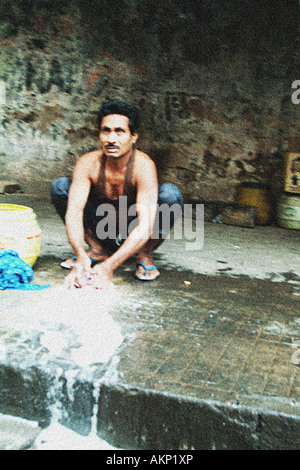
(144,277)
(66,265)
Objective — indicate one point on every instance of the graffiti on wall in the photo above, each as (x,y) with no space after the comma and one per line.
(183,105)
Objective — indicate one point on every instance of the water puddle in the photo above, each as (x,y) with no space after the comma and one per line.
(75,326)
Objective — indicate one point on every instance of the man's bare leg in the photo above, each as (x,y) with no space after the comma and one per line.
(95,251)
(145,256)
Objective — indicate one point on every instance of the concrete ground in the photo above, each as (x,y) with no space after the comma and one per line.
(204,357)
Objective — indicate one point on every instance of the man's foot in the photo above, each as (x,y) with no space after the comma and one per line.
(146,271)
(94,257)
(68,263)
(96,253)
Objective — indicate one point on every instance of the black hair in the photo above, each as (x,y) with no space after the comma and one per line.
(122,108)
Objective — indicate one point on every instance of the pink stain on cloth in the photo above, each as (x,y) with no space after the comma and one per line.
(88,281)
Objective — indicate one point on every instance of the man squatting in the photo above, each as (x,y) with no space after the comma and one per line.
(101,177)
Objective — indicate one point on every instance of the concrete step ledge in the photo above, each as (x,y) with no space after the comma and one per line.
(140,419)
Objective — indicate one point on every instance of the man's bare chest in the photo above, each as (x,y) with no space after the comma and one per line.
(109,184)
(114,184)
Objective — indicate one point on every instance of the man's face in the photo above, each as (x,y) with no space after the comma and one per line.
(115,136)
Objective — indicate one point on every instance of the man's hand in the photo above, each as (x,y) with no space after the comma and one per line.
(80,274)
(102,275)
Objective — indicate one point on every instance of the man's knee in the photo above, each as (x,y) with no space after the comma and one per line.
(169,194)
(60,187)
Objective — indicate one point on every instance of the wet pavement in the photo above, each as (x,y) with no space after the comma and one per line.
(204,357)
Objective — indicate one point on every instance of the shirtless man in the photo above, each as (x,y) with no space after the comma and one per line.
(101,177)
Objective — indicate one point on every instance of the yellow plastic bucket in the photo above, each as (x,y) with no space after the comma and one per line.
(289,212)
(257,195)
(19,231)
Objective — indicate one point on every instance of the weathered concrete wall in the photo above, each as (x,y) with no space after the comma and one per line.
(212,81)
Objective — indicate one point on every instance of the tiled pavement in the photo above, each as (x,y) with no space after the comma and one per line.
(205,333)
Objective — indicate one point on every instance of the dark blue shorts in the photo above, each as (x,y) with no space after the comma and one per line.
(168,194)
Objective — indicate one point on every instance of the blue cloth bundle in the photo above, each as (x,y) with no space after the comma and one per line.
(15,273)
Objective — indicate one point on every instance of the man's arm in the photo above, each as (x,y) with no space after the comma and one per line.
(78,195)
